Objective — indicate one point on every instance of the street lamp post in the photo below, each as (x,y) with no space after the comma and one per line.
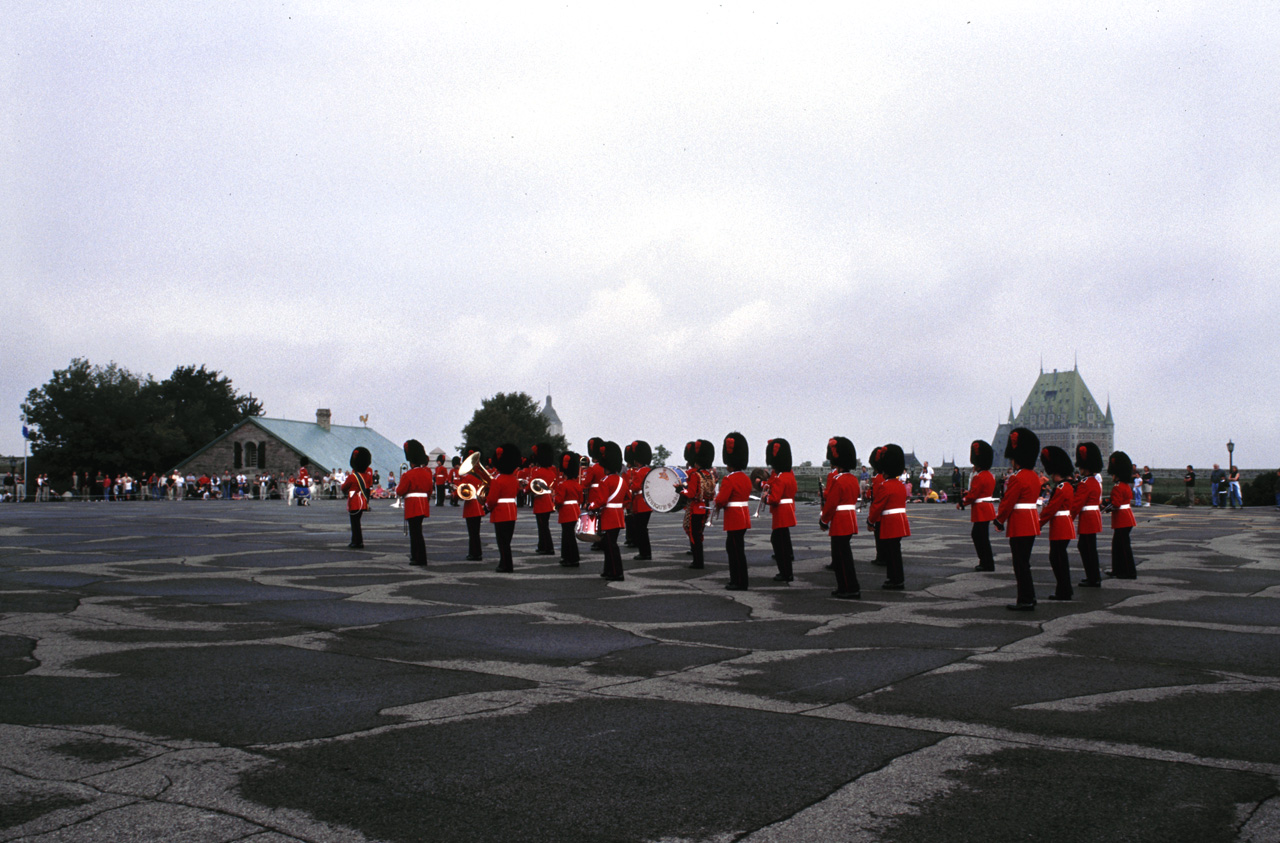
(13,475)
(1231,447)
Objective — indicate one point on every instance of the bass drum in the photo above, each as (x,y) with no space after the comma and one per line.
(588,526)
(660,488)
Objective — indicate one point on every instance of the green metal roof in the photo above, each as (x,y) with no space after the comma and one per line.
(1062,395)
(332,448)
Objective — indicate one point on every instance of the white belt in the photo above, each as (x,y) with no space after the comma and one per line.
(736,503)
(1123,506)
(785,500)
(901,511)
(613,506)
(845,506)
(1024,506)
(1063,512)
(418,495)
(985,500)
(506,500)
(1089,509)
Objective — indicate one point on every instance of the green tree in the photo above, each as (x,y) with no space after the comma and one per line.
(660,455)
(201,406)
(508,417)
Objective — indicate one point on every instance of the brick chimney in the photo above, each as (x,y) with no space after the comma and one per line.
(322,418)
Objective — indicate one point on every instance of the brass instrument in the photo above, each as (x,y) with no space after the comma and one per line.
(760,476)
(539,486)
(470,491)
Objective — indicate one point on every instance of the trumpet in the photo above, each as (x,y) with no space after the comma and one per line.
(471,491)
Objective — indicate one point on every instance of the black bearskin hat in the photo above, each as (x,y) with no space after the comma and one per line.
(1055,461)
(842,454)
(542,455)
(457,461)
(611,457)
(415,453)
(593,448)
(892,461)
(691,453)
(736,452)
(705,455)
(506,458)
(304,462)
(439,459)
(1023,447)
(1120,467)
(641,453)
(569,464)
(874,459)
(981,454)
(1089,458)
(361,458)
(777,455)
(628,455)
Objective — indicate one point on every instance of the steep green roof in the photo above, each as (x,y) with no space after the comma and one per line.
(1063,399)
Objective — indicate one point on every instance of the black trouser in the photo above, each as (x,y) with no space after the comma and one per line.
(1087,544)
(544,532)
(781,541)
(628,534)
(473,537)
(735,545)
(842,564)
(417,547)
(640,532)
(1061,569)
(503,531)
(569,543)
(982,544)
(612,555)
(1123,565)
(697,524)
(892,549)
(1020,550)
(440,495)
(357,537)
(875,531)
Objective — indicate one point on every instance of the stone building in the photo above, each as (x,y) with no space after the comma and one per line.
(1062,412)
(276,446)
(554,425)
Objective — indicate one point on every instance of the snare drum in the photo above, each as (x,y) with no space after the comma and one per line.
(660,488)
(588,526)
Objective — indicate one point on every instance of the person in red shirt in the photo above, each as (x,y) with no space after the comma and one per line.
(568,494)
(415,487)
(473,513)
(1057,514)
(699,455)
(441,477)
(1086,507)
(780,497)
(501,502)
(628,471)
(542,459)
(981,497)
(1123,566)
(889,511)
(608,499)
(877,480)
(592,475)
(735,501)
(454,477)
(840,515)
(641,456)
(356,487)
(1018,510)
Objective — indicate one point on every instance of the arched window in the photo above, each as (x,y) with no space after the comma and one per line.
(262,454)
(239,455)
(250,455)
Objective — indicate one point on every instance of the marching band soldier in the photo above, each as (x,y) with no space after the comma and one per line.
(441,477)
(840,515)
(607,499)
(1120,467)
(982,487)
(641,456)
(523,475)
(415,488)
(543,505)
(453,481)
(780,497)
(568,494)
(1087,507)
(473,513)
(735,498)
(699,456)
(1057,514)
(628,471)
(302,488)
(501,502)
(357,488)
(877,480)
(889,511)
(1018,510)
(592,475)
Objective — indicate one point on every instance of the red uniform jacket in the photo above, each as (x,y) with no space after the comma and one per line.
(543,503)
(735,498)
(454,477)
(567,495)
(692,490)
(501,500)
(441,475)
(357,501)
(1121,514)
(889,509)
(595,473)
(979,497)
(839,508)
(415,487)
(1087,505)
(1018,506)
(781,499)
(608,497)
(1057,514)
(472,508)
(877,481)
(638,503)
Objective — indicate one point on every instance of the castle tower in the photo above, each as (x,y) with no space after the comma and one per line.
(1062,412)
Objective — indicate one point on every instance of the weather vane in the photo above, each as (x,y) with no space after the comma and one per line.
(364,420)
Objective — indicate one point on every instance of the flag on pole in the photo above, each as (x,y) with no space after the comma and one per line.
(25,433)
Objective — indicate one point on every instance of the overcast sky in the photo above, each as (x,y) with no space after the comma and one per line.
(795,221)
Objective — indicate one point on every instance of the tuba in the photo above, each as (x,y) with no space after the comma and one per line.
(470,491)
(539,486)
